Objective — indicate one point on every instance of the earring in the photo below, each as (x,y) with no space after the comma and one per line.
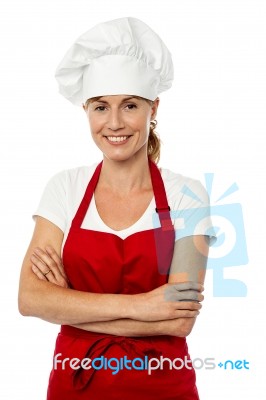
(153,124)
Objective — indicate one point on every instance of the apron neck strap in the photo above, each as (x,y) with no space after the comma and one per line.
(158,188)
(162,207)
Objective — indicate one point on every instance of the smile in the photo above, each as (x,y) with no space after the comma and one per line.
(117,139)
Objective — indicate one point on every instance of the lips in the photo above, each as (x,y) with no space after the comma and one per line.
(117,139)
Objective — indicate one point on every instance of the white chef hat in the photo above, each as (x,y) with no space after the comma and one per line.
(122,56)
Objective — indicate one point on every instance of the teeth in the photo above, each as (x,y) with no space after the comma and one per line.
(117,139)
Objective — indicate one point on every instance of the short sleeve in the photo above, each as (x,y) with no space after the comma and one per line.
(52,205)
(191,213)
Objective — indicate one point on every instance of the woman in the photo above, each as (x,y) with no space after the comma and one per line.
(105,261)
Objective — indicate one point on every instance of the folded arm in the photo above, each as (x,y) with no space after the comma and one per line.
(128,327)
(188,264)
(49,297)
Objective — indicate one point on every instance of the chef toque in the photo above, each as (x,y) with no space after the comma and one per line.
(122,56)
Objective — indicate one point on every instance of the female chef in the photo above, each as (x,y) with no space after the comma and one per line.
(109,260)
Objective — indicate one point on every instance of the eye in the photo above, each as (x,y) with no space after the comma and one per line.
(131,106)
(100,108)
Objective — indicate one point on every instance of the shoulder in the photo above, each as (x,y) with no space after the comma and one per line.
(183,190)
(72,177)
(63,193)
(190,205)
(66,187)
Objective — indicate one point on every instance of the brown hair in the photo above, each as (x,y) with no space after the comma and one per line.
(154,142)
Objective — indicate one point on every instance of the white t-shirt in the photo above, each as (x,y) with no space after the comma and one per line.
(187,199)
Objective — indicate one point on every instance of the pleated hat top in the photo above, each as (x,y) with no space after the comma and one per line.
(122,56)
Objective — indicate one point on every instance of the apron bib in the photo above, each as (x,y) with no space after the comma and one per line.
(101,262)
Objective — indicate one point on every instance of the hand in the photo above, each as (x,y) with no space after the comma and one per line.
(47,266)
(169,301)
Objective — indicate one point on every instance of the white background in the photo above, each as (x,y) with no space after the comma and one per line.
(212,120)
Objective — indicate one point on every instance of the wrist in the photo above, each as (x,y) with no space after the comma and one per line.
(132,307)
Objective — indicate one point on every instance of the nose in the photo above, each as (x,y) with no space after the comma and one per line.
(114,121)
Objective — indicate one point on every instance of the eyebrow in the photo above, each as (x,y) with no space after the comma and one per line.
(106,102)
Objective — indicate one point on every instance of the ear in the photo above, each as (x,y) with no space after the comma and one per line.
(155,108)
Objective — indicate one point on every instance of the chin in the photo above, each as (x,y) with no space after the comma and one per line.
(119,157)
(125,154)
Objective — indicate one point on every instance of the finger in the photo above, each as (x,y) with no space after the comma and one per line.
(51,251)
(171,294)
(43,268)
(38,273)
(187,313)
(57,277)
(49,262)
(187,305)
(189,295)
(190,285)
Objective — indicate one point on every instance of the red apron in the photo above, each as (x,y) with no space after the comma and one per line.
(102,262)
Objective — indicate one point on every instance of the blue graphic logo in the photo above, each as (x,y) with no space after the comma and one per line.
(224,224)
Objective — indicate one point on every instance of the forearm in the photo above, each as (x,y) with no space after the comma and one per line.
(67,306)
(128,327)
(60,305)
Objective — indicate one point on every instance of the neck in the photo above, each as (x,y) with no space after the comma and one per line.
(125,176)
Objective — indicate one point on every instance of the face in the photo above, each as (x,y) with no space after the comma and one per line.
(120,125)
